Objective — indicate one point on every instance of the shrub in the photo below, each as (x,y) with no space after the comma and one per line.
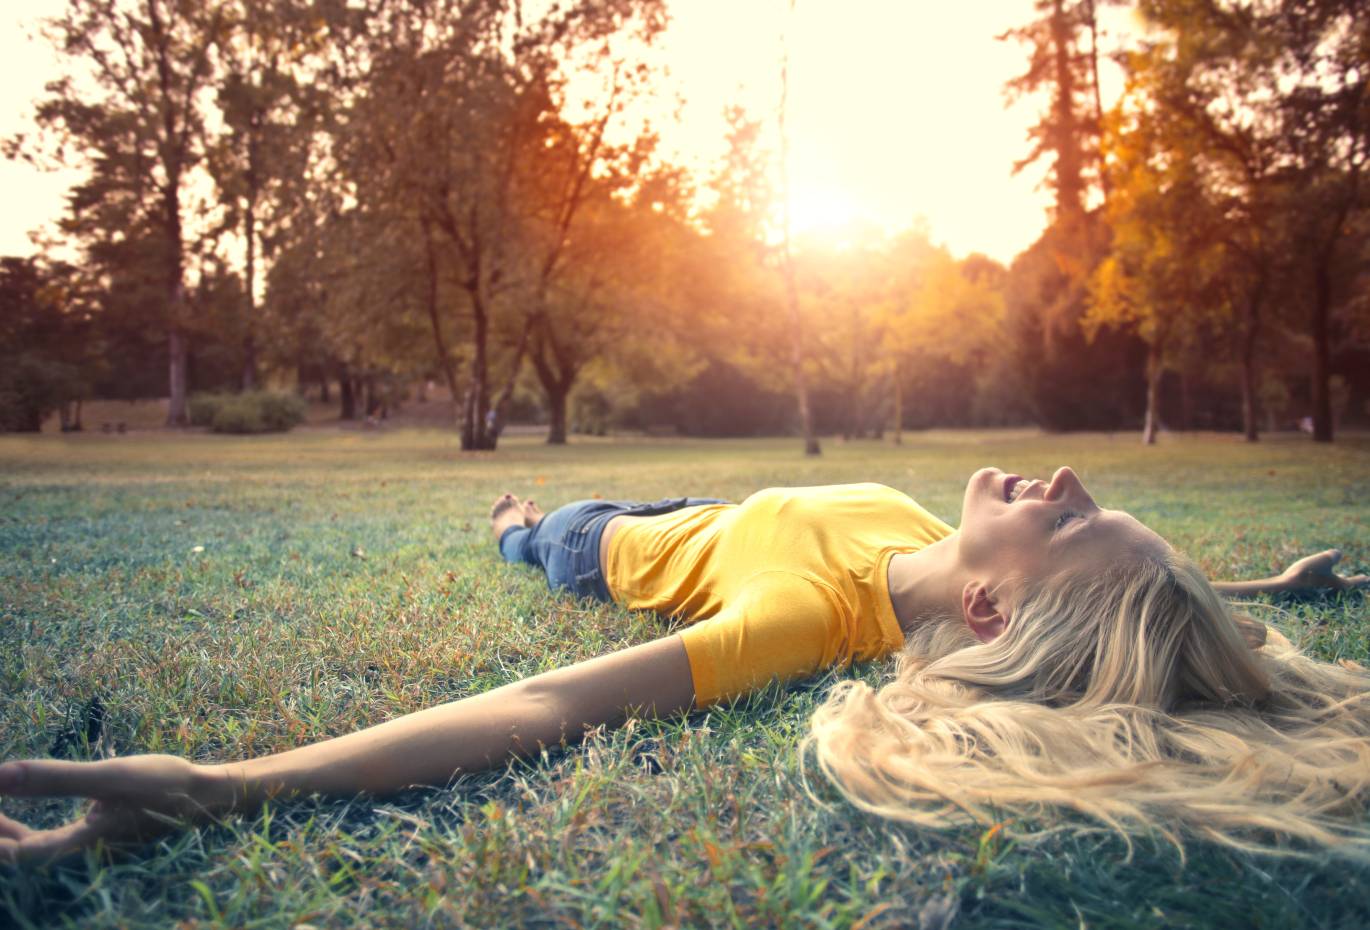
(31,387)
(204,406)
(281,412)
(253,412)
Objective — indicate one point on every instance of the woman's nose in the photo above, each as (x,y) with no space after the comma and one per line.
(1066,485)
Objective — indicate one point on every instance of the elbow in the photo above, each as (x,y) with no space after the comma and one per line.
(543,716)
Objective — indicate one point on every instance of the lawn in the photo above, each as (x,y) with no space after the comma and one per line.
(220,596)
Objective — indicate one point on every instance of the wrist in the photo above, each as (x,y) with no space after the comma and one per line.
(225,789)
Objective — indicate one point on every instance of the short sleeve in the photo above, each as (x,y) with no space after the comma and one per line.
(779,626)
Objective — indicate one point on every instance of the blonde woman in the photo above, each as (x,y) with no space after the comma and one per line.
(1052,655)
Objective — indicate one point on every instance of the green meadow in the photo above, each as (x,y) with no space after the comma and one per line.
(218,597)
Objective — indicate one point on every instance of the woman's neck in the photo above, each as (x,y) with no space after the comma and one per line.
(926,583)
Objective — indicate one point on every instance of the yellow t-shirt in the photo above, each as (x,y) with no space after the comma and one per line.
(792,581)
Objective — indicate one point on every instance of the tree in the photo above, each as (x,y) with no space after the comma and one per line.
(845,282)
(1068,130)
(945,318)
(141,133)
(570,188)
(1281,89)
(1163,273)
(1069,380)
(453,98)
(801,390)
(271,113)
(607,303)
(48,349)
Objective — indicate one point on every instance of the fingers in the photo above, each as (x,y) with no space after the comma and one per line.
(49,845)
(12,829)
(1319,571)
(1320,563)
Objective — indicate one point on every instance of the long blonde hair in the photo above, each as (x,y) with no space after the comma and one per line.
(1134,697)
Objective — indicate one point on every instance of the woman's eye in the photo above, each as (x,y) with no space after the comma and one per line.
(1062,520)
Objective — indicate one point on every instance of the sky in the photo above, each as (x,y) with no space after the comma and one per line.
(896,113)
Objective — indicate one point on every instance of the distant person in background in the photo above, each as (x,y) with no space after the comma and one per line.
(1051,654)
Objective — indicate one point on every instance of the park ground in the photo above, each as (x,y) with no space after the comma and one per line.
(218,596)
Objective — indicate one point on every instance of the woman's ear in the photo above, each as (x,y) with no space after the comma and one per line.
(982,612)
(1253,631)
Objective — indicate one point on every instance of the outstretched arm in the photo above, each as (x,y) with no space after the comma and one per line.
(139,797)
(1314,571)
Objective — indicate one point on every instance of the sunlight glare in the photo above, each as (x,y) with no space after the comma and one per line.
(822,211)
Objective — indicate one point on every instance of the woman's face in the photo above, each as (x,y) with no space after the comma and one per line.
(1013,527)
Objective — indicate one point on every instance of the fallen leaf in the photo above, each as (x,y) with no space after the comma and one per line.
(357,552)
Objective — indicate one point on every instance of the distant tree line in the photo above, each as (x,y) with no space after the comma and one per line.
(361,197)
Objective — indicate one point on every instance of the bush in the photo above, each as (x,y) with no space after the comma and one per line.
(203,407)
(253,412)
(31,387)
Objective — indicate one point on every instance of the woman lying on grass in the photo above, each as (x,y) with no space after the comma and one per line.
(1051,654)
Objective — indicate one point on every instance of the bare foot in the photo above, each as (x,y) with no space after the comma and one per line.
(504,513)
(531,513)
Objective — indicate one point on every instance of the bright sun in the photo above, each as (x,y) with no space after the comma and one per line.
(821,211)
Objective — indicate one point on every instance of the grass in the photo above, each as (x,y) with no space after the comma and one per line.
(217,597)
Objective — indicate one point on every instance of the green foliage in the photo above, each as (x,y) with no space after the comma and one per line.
(250,412)
(198,597)
(31,387)
(1070,380)
(47,352)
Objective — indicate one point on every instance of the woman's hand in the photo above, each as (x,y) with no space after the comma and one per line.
(1315,571)
(135,799)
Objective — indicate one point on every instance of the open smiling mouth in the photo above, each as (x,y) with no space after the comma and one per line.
(1014,485)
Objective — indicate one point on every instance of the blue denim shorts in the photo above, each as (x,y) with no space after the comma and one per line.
(565,543)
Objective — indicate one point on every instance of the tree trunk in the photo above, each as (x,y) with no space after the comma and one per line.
(506,396)
(323,384)
(898,409)
(178,414)
(556,402)
(372,401)
(474,432)
(173,154)
(1153,396)
(1186,404)
(249,374)
(556,381)
(801,390)
(349,397)
(1322,352)
(1069,168)
(1092,23)
(1246,354)
(444,360)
